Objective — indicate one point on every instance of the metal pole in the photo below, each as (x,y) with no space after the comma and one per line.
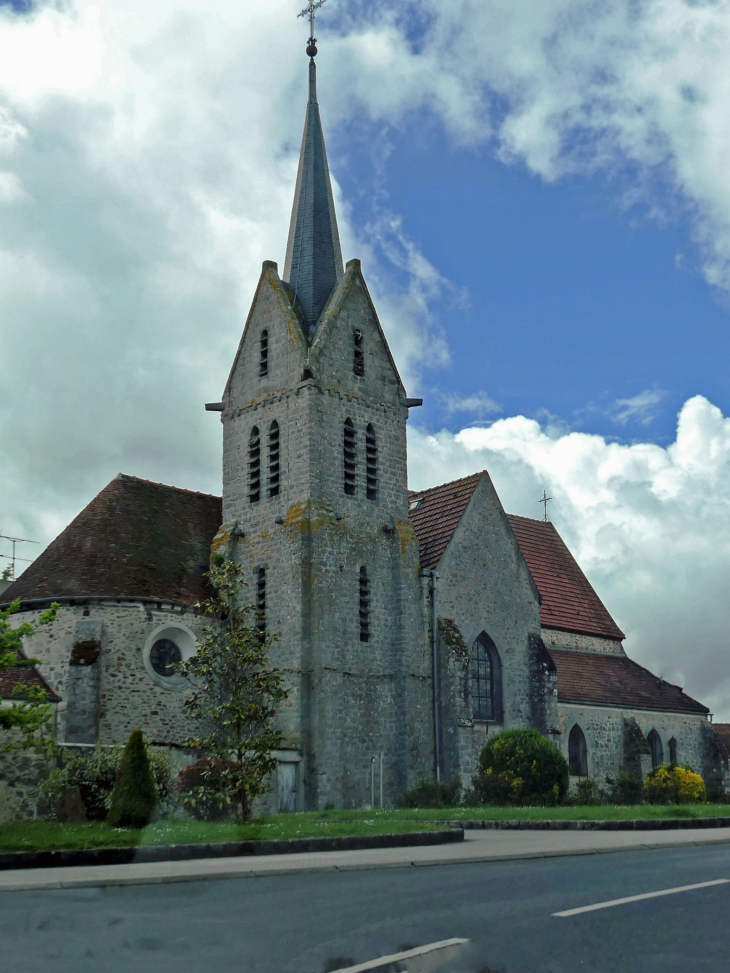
(372,782)
(434,640)
(381,780)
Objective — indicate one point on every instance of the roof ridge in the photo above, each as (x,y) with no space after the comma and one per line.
(440,486)
(166,486)
(533,520)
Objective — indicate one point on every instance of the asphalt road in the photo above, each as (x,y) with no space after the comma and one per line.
(304,923)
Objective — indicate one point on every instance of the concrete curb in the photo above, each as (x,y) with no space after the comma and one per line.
(148,854)
(19,884)
(635,824)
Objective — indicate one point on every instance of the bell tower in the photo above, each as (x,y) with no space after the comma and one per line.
(315,507)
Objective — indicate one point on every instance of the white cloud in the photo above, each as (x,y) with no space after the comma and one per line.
(649,525)
(639,408)
(479,404)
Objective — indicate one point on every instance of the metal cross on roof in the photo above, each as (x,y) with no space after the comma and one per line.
(309,11)
(545,499)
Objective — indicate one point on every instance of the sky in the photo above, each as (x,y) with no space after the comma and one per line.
(539,194)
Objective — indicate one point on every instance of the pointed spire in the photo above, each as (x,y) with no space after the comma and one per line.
(313,263)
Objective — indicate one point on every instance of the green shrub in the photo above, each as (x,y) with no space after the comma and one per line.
(625,788)
(521,767)
(716,794)
(587,792)
(431,793)
(134,796)
(94,772)
(202,789)
(671,784)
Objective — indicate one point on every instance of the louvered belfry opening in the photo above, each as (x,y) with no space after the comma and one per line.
(264,353)
(350,457)
(261,600)
(273,446)
(364,605)
(358,360)
(254,466)
(371,463)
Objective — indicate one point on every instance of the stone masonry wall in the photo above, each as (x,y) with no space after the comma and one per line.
(556,639)
(349,700)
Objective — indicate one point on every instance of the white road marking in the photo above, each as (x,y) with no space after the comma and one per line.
(638,898)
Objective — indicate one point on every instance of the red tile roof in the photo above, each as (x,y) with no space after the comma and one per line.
(438,515)
(136,538)
(615,680)
(27,676)
(569,602)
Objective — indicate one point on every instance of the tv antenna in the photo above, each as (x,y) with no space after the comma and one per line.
(14,557)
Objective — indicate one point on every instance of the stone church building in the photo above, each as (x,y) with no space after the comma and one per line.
(411,625)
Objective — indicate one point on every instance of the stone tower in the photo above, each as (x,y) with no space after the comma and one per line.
(315,507)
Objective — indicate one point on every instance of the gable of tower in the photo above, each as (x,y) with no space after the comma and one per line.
(273,350)
(349,349)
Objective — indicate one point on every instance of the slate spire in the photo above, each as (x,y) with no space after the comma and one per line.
(313,263)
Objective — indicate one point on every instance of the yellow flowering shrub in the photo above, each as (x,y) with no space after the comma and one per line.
(674,785)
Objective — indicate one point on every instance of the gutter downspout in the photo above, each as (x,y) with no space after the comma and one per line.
(434,643)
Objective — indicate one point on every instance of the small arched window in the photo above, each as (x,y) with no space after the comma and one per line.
(657,750)
(358,359)
(364,605)
(261,600)
(672,751)
(577,752)
(485,680)
(350,457)
(254,466)
(273,446)
(264,353)
(371,463)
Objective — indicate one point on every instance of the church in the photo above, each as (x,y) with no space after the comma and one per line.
(410,625)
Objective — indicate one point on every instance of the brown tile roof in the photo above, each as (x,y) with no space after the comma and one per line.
(568,600)
(723,731)
(135,538)
(615,680)
(438,515)
(27,676)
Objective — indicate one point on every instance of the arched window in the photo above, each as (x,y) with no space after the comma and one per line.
(577,752)
(364,605)
(261,600)
(264,353)
(672,751)
(485,680)
(657,751)
(254,466)
(350,457)
(371,463)
(274,459)
(358,359)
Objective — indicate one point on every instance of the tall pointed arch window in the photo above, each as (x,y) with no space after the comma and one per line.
(371,463)
(254,466)
(350,457)
(577,752)
(261,600)
(672,751)
(264,353)
(364,605)
(485,680)
(657,750)
(358,358)
(273,457)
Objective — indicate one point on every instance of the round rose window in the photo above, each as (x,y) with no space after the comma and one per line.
(164,654)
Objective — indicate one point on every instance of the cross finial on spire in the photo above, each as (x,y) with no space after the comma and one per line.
(309,11)
(545,499)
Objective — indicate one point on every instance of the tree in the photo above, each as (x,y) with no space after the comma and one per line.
(30,715)
(134,796)
(235,695)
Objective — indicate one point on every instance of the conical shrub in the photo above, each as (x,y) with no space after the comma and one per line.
(134,796)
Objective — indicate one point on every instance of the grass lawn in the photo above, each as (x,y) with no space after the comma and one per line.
(43,835)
